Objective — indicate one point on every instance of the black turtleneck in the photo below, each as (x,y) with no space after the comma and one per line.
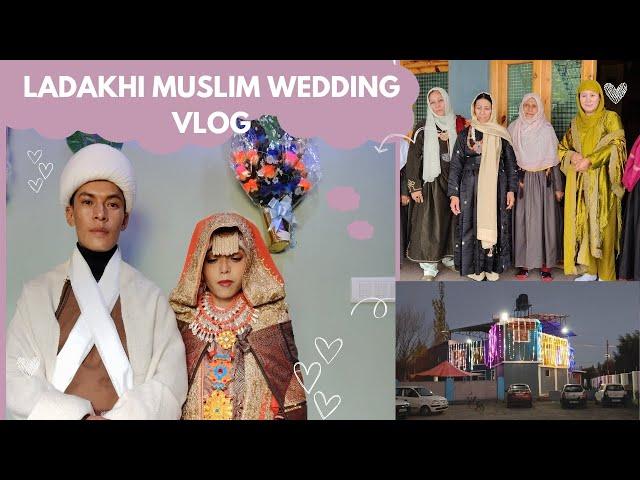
(97,261)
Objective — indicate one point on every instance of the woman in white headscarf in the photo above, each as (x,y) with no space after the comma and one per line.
(482,184)
(537,230)
(432,224)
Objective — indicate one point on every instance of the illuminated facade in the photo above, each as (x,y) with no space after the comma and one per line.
(532,350)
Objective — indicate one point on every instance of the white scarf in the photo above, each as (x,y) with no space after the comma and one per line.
(95,326)
(446,123)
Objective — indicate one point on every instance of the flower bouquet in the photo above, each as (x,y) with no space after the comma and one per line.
(276,170)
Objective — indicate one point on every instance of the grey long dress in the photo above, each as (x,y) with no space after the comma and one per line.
(537,219)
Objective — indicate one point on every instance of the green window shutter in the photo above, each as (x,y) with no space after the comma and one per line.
(565,79)
(427,81)
(519,83)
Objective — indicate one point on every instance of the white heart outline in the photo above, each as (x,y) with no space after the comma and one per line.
(328,348)
(614,92)
(324,398)
(37,154)
(306,372)
(46,167)
(33,183)
(28,366)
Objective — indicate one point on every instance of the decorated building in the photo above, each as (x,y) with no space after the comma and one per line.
(524,347)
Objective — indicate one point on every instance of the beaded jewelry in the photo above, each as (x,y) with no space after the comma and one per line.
(219,324)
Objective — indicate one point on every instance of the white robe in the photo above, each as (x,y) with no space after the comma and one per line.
(155,348)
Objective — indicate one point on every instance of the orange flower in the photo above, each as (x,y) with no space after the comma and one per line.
(253,157)
(301,167)
(250,185)
(268,171)
(238,157)
(305,184)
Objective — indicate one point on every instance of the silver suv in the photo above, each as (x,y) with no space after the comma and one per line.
(573,394)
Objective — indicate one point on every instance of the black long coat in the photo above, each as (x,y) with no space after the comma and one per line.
(469,256)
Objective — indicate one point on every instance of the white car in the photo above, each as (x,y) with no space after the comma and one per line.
(611,394)
(422,400)
(573,394)
(402,409)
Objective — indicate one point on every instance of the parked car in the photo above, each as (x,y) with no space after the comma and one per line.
(519,393)
(611,394)
(402,409)
(573,394)
(422,400)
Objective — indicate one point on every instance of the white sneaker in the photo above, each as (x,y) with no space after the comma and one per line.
(586,278)
(449,263)
(492,276)
(477,278)
(430,269)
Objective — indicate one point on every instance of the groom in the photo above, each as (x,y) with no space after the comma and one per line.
(93,338)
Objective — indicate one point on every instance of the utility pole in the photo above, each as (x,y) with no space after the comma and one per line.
(606,357)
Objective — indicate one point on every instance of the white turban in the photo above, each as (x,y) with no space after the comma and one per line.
(98,162)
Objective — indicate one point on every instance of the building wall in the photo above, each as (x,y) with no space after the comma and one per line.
(576,378)
(481,389)
(467,78)
(484,370)
(548,384)
(522,373)
(500,382)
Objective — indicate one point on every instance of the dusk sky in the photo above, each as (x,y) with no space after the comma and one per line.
(597,310)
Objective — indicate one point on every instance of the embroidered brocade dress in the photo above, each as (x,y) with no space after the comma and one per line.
(247,373)
(220,374)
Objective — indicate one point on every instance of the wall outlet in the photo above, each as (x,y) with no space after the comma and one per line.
(372,289)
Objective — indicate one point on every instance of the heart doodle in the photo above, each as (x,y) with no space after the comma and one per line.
(615,94)
(28,366)
(326,404)
(36,185)
(34,156)
(45,170)
(306,372)
(328,348)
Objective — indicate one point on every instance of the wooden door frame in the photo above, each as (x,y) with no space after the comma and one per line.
(418,67)
(540,82)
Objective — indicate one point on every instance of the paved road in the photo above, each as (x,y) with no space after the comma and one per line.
(540,411)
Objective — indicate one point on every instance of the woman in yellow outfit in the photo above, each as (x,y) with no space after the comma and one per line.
(592,153)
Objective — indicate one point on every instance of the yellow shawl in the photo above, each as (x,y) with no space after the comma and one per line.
(591,195)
